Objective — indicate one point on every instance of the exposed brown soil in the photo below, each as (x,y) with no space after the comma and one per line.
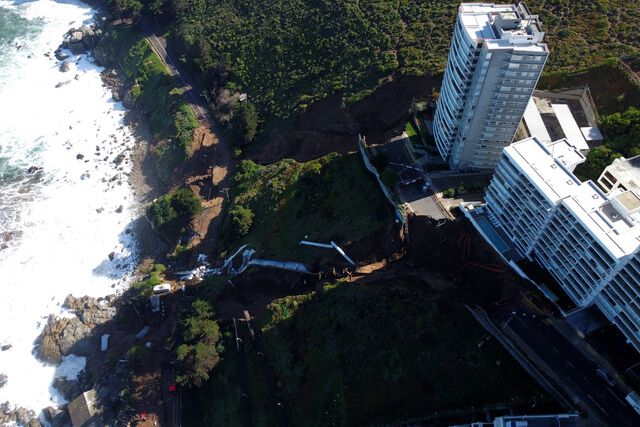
(328,127)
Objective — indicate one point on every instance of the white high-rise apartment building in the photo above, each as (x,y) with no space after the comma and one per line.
(495,61)
(588,240)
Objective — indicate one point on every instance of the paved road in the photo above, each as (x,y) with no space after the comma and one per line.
(572,370)
(422,203)
(158,45)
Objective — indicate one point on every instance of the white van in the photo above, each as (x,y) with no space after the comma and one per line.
(164,288)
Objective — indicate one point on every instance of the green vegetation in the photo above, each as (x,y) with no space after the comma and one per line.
(363,355)
(449,193)
(154,277)
(613,87)
(286,54)
(622,133)
(171,213)
(582,33)
(155,93)
(245,122)
(410,130)
(274,207)
(201,349)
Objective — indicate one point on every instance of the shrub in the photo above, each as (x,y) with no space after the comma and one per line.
(449,193)
(155,277)
(171,213)
(242,219)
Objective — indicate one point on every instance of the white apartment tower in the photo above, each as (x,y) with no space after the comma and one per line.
(495,60)
(588,240)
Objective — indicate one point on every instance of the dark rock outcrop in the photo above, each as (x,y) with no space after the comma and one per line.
(56,417)
(70,389)
(79,40)
(91,311)
(61,337)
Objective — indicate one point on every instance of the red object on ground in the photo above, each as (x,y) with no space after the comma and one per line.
(173,387)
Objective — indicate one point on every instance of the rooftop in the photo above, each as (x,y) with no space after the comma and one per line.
(613,220)
(626,171)
(502,26)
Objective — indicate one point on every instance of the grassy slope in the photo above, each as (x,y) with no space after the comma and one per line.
(359,355)
(287,54)
(170,117)
(332,198)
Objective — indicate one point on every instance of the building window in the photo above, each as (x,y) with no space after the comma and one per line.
(610,177)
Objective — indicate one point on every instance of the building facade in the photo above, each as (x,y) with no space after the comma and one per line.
(494,63)
(588,240)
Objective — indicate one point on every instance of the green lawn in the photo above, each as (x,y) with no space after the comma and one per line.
(332,198)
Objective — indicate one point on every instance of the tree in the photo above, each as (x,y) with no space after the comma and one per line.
(597,159)
(242,219)
(156,9)
(245,122)
(199,352)
(127,8)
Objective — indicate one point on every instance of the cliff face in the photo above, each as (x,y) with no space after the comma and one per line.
(327,126)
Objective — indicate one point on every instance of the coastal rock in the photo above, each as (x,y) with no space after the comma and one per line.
(119,158)
(64,67)
(56,417)
(59,85)
(128,100)
(120,209)
(19,415)
(59,55)
(103,55)
(79,40)
(115,95)
(90,311)
(70,389)
(3,380)
(60,337)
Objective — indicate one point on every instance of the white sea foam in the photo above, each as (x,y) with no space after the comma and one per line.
(64,223)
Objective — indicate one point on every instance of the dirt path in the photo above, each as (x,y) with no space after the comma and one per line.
(208,171)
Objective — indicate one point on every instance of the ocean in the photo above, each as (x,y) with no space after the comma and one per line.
(64,204)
